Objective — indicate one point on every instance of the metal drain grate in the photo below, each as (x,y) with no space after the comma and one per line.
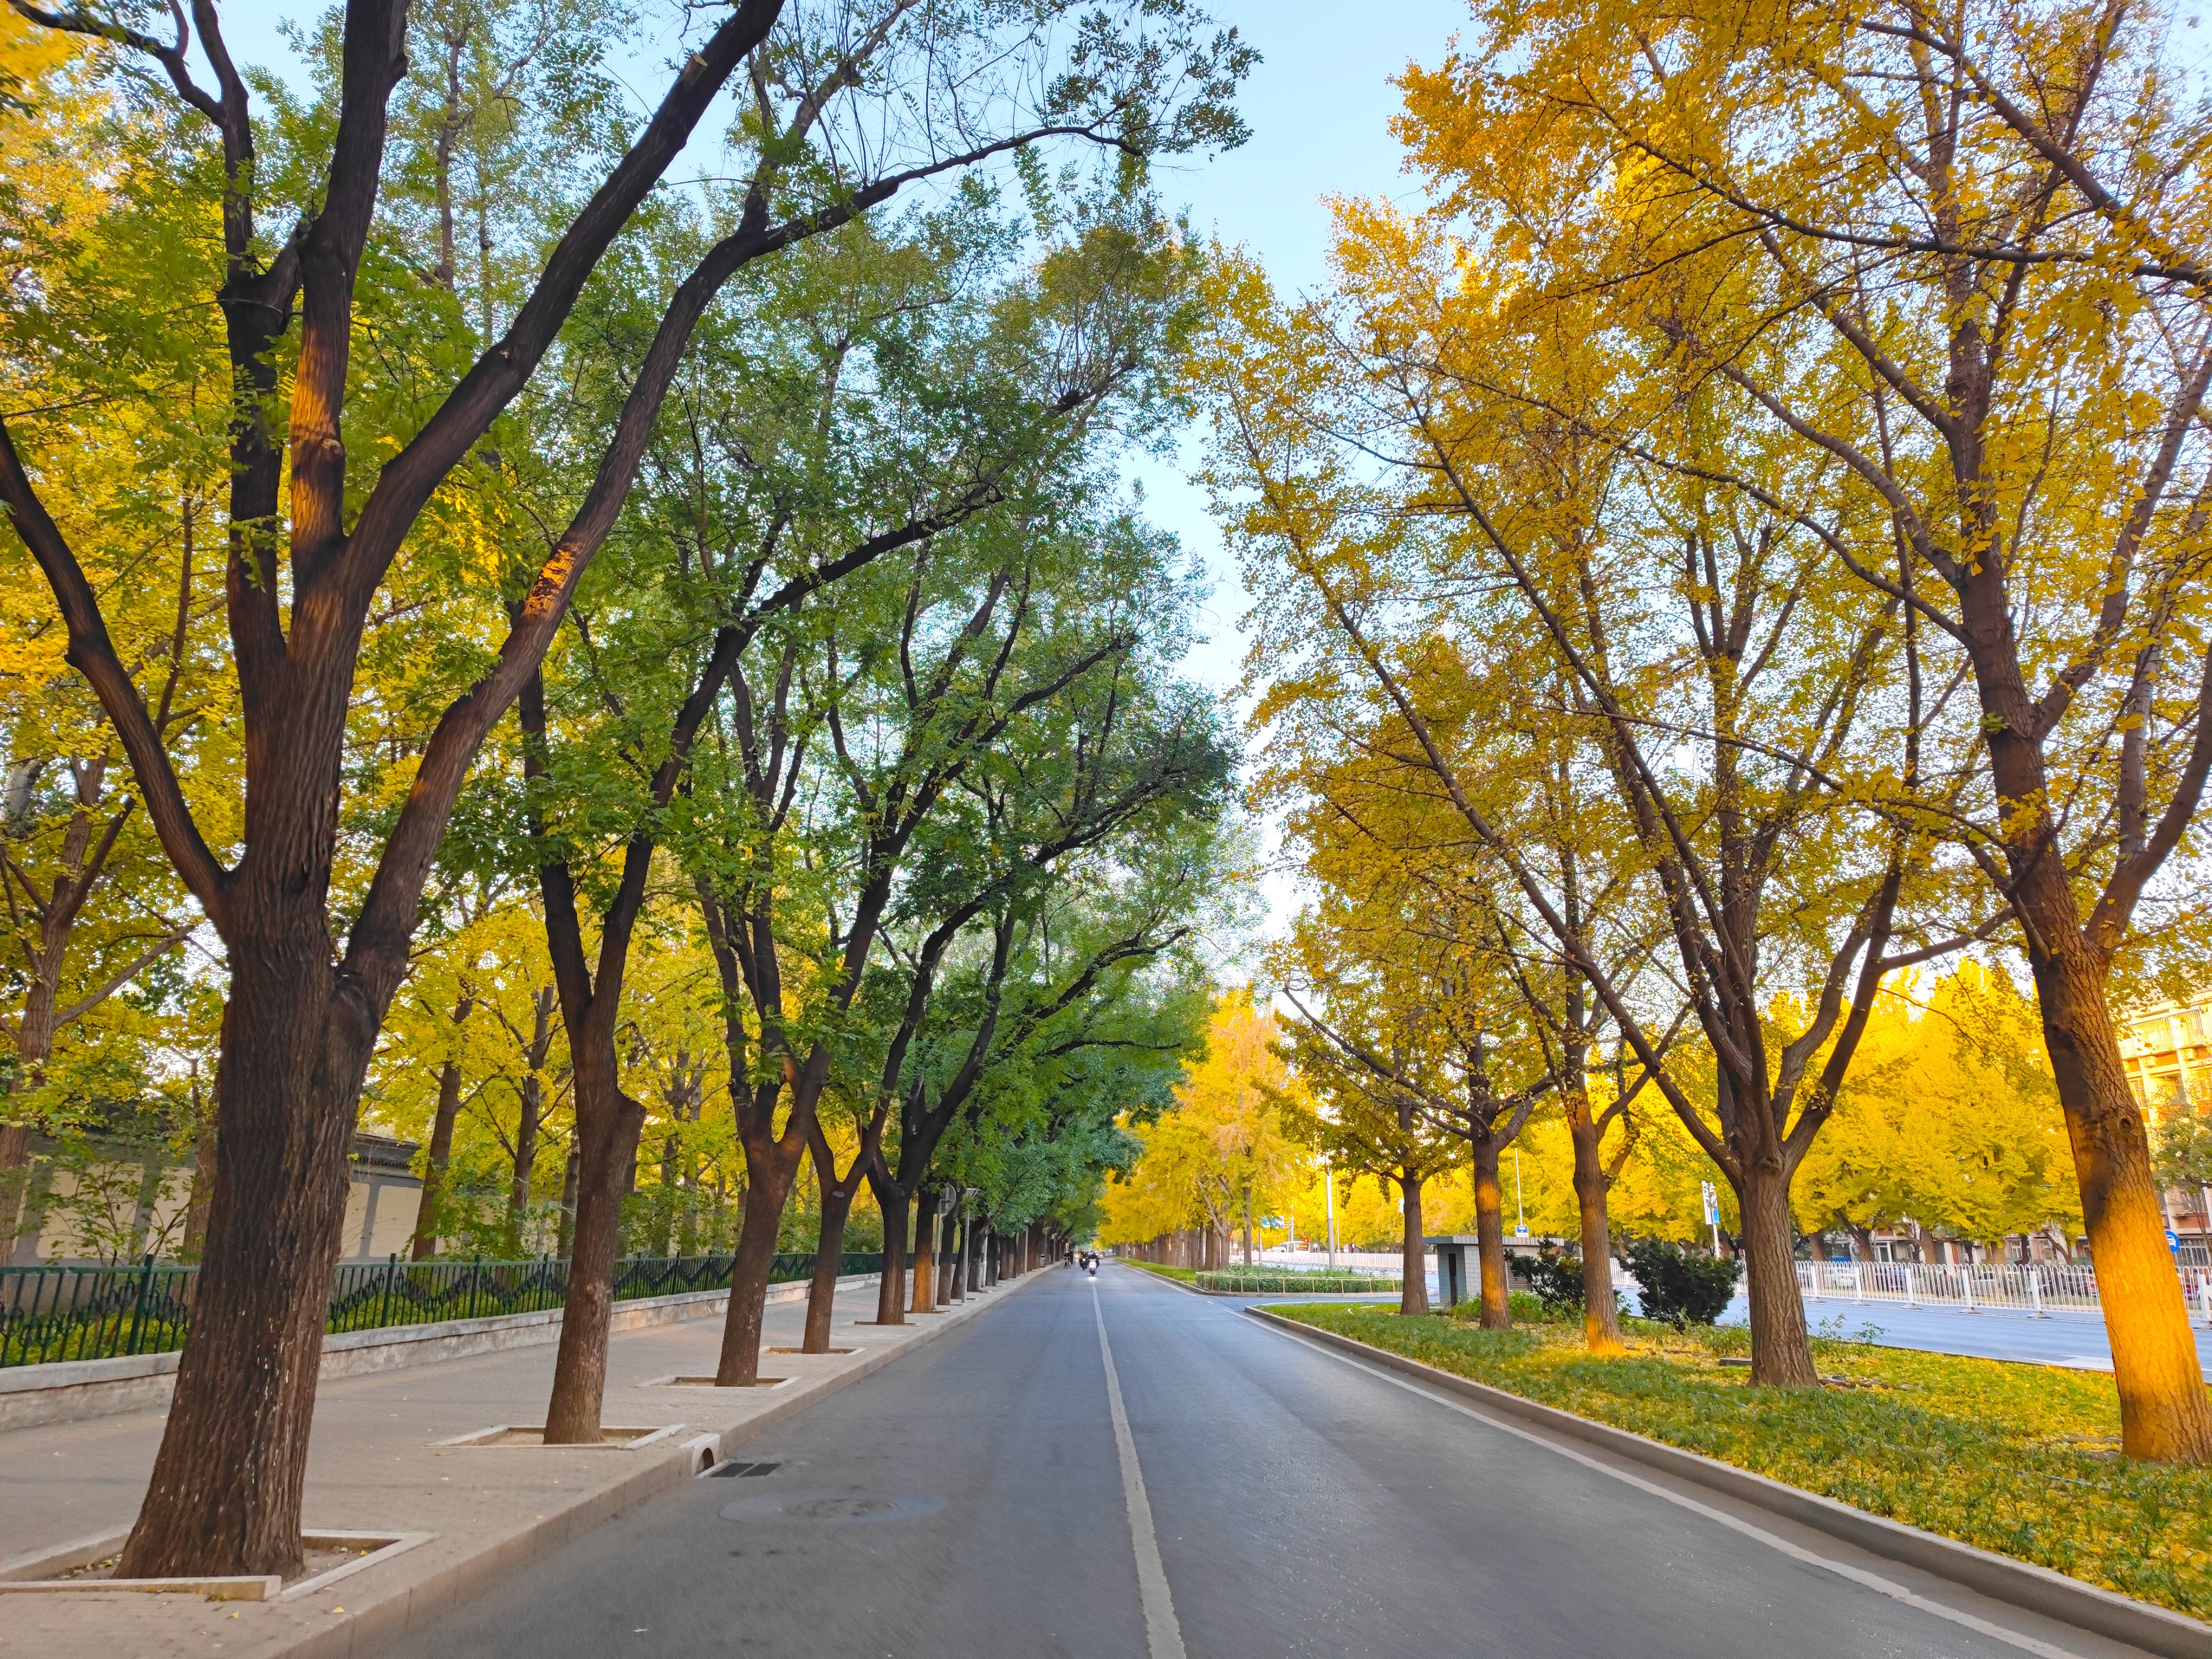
(726,1470)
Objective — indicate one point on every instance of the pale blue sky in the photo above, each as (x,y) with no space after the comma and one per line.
(1319,107)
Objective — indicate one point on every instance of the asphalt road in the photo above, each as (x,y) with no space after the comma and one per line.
(976,1500)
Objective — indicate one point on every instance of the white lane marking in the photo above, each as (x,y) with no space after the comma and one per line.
(1163,1635)
(1872,1581)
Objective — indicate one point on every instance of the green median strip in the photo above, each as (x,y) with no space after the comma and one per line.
(2022,1460)
(1294,1284)
(1256,1282)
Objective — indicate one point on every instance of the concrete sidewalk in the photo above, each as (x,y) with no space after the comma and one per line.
(376,1465)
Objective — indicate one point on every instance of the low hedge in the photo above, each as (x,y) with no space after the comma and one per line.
(1253,1283)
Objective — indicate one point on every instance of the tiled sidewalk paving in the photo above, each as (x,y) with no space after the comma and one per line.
(373,1465)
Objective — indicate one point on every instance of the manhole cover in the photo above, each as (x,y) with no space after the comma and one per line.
(838,1509)
(830,1509)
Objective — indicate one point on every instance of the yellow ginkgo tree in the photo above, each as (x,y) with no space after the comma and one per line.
(1948,274)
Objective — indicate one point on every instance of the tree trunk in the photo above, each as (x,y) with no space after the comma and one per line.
(1248,1224)
(828,1256)
(224,1497)
(664,1199)
(434,1169)
(767,1187)
(14,1185)
(34,1046)
(202,1194)
(890,1289)
(1489,1238)
(1600,1319)
(971,1257)
(526,1162)
(1781,1349)
(956,1255)
(925,1252)
(608,1124)
(2166,1413)
(1413,1297)
(565,1242)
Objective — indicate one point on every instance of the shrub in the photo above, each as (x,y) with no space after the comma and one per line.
(1521,1307)
(1554,1274)
(1679,1286)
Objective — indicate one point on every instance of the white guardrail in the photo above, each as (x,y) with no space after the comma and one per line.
(2036,1289)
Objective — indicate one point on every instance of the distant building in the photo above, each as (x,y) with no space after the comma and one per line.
(2167,1050)
(111,1200)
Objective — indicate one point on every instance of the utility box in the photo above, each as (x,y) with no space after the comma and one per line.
(1459,1267)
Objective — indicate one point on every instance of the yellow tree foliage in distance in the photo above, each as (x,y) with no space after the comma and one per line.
(1219,1160)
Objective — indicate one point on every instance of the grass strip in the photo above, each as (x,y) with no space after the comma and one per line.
(1181,1275)
(2021,1460)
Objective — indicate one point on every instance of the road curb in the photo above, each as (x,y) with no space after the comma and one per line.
(2020,1583)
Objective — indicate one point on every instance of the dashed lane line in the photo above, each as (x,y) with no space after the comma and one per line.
(1163,1634)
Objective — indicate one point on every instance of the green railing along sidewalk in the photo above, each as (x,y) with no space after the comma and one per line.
(57,1312)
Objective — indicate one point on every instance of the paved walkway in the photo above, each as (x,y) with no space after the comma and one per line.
(1120,1469)
(375,1464)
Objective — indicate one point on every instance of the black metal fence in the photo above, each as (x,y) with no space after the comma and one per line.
(55,1313)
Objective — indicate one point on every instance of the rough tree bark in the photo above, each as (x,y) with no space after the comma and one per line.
(768,1190)
(530,1110)
(890,1290)
(1413,1294)
(925,1252)
(1778,1334)
(1593,1180)
(565,1244)
(2165,1413)
(441,1153)
(1490,1236)
(838,1192)
(829,1257)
